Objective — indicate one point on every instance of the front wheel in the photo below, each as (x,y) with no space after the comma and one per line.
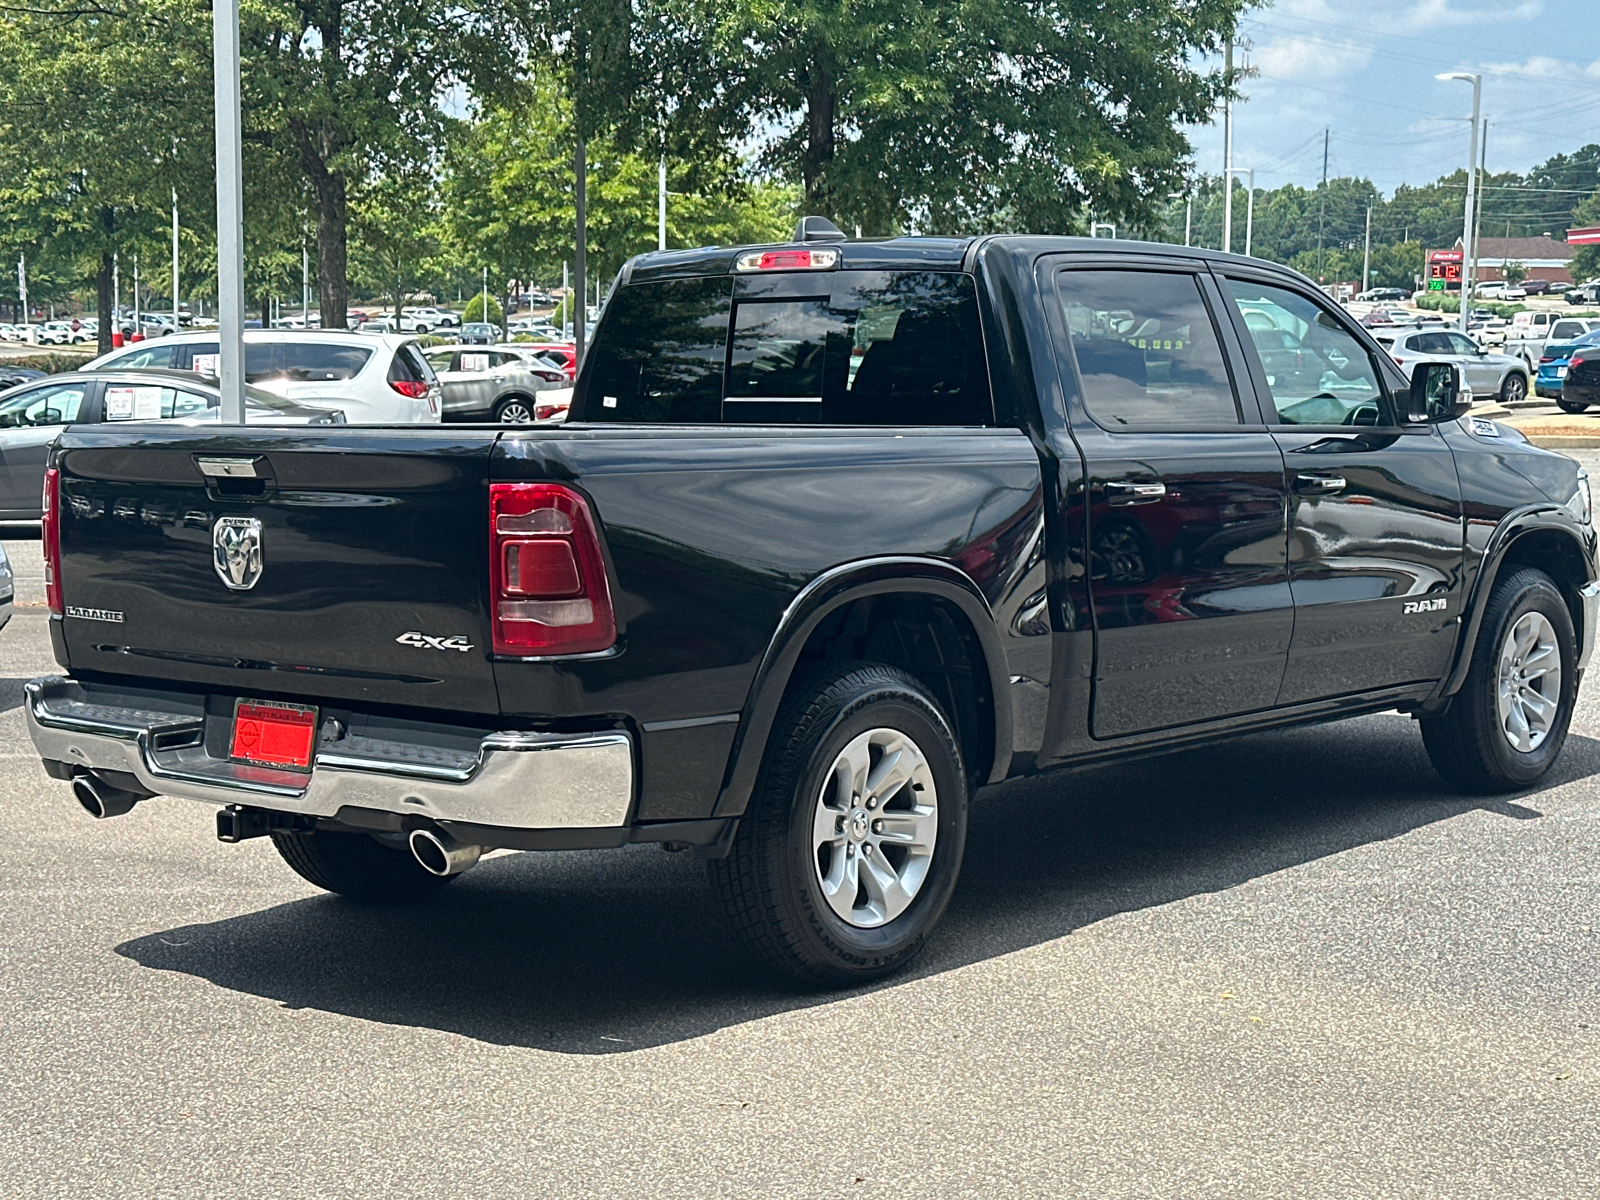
(849,852)
(1506,726)
(1571,406)
(1514,389)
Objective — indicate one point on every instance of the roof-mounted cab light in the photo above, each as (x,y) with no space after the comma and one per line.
(787,260)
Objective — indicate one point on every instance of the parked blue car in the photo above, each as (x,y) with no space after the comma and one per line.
(1553,365)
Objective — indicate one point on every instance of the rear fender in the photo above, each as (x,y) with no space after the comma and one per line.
(825,594)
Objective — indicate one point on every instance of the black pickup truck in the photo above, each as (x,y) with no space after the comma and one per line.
(839,533)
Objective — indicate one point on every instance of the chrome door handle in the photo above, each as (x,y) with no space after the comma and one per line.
(1134,493)
(1318,485)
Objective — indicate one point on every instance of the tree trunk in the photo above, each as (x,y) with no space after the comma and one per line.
(102,303)
(821,102)
(328,202)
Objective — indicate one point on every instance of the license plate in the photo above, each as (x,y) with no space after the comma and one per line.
(268,734)
(1561,372)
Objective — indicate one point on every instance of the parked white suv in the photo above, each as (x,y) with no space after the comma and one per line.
(430,318)
(374,380)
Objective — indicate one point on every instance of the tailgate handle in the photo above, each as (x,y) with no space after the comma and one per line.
(216,467)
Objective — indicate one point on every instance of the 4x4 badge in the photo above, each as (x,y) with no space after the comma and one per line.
(423,642)
(236,552)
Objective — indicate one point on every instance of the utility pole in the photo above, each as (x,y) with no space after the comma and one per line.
(661,219)
(305,282)
(230,210)
(22,292)
(1366,255)
(1227,150)
(580,266)
(1322,216)
(1188,219)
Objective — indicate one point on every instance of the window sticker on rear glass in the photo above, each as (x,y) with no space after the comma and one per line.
(206,364)
(119,403)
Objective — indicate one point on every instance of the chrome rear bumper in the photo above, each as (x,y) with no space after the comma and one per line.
(515,780)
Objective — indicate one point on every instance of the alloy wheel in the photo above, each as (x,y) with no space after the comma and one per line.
(515,412)
(1529,691)
(873,830)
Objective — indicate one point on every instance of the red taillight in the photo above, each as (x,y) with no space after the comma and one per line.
(547,579)
(1574,361)
(415,388)
(50,535)
(1548,358)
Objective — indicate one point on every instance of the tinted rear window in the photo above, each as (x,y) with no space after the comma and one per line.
(848,348)
(316,362)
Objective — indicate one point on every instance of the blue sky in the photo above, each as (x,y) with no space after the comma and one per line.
(1366,68)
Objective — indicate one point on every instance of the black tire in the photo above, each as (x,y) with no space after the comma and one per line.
(1467,744)
(1514,388)
(357,865)
(769,881)
(1571,406)
(514,410)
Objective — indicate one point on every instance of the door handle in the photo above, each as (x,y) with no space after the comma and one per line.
(1318,485)
(1134,493)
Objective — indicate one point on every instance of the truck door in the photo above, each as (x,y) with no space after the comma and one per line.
(1375,519)
(1186,500)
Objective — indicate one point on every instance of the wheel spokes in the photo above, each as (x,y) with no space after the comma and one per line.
(886,895)
(914,828)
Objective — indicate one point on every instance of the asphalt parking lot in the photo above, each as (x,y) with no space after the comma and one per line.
(1294,965)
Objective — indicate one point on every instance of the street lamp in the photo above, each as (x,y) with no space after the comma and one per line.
(1472,177)
(230,210)
(1250,208)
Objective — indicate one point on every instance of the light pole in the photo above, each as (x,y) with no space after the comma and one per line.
(1227,151)
(1472,177)
(661,221)
(1250,206)
(230,210)
(176,324)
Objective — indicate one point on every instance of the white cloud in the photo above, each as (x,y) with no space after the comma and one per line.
(1309,58)
(1437,14)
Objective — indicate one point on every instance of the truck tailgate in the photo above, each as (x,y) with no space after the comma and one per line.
(371,578)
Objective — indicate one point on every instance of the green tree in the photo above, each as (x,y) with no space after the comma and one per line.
(1514,272)
(474,311)
(966,115)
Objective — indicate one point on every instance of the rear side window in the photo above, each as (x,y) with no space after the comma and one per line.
(315,362)
(878,348)
(410,367)
(1148,353)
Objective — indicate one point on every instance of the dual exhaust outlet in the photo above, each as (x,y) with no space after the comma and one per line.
(436,851)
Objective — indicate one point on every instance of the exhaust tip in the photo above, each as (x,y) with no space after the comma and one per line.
(440,854)
(100,800)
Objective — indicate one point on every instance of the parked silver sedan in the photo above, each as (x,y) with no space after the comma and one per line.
(491,383)
(1488,374)
(33,415)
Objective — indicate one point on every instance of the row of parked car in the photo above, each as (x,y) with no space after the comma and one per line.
(312,377)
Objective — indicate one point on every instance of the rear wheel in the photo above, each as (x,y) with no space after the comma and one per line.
(357,865)
(1506,726)
(1571,406)
(514,410)
(849,851)
(1514,388)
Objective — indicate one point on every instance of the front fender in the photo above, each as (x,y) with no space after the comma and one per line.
(1518,523)
(827,592)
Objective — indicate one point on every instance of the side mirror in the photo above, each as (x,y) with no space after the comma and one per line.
(1436,395)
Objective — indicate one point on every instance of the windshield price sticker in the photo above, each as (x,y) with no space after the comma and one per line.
(474,362)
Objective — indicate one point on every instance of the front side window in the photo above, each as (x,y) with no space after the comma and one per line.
(1147,351)
(158,355)
(1317,372)
(57,405)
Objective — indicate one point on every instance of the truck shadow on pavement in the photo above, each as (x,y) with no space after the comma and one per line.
(609,951)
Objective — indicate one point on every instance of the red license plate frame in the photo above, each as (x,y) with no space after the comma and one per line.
(269,733)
